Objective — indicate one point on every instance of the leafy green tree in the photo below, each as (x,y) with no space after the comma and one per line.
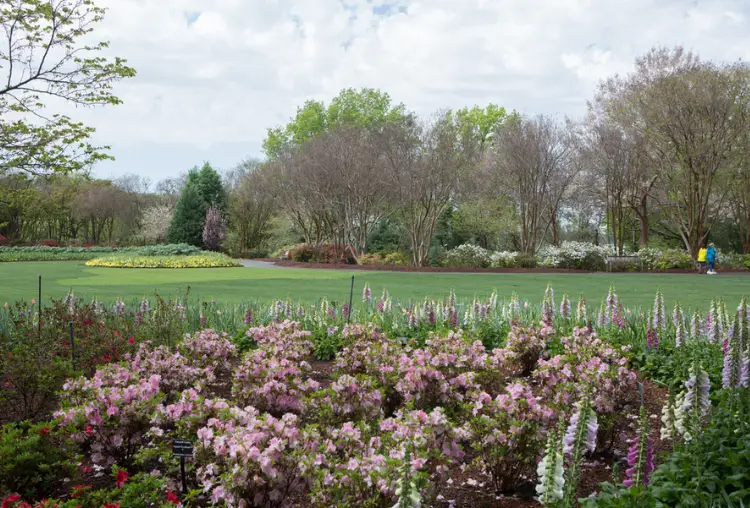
(481,124)
(366,108)
(210,188)
(189,214)
(45,57)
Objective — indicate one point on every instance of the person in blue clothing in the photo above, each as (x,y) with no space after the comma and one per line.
(711,259)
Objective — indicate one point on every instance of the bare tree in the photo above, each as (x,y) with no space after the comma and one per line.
(99,204)
(534,162)
(688,113)
(425,164)
(251,205)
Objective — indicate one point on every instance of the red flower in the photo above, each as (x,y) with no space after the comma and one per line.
(172,497)
(88,430)
(10,500)
(78,490)
(121,477)
(131,340)
(112,505)
(86,469)
(44,431)
(24,505)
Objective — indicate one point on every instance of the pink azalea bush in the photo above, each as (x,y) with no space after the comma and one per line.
(284,339)
(208,348)
(272,384)
(391,411)
(347,399)
(507,432)
(249,459)
(587,365)
(112,421)
(175,370)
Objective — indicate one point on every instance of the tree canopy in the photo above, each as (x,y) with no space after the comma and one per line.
(46,63)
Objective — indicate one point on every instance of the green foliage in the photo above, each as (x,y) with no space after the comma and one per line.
(47,57)
(44,253)
(139,491)
(484,222)
(31,371)
(34,459)
(480,123)
(210,188)
(187,221)
(712,470)
(367,108)
(202,189)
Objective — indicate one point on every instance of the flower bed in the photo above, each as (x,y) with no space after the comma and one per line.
(439,407)
(202,261)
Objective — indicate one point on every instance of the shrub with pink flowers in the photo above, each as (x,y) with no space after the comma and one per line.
(209,349)
(250,459)
(112,422)
(348,398)
(587,365)
(508,432)
(285,339)
(175,371)
(272,384)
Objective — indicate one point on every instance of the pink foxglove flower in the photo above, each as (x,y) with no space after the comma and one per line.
(640,455)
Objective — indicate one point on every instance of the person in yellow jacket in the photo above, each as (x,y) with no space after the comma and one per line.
(701,259)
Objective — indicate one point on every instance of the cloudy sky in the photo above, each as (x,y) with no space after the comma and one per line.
(214,75)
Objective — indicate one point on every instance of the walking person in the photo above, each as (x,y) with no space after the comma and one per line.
(701,260)
(711,259)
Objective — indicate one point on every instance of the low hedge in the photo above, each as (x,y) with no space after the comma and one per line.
(208,260)
(48,253)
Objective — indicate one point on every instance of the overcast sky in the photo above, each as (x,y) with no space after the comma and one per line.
(214,75)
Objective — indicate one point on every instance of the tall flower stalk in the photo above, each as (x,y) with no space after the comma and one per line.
(581,311)
(669,415)
(696,402)
(733,357)
(579,439)
(550,472)
(565,307)
(640,455)
(658,319)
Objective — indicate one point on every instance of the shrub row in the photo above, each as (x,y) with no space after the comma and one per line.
(583,256)
(50,253)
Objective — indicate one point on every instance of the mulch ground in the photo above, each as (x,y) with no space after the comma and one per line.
(407,268)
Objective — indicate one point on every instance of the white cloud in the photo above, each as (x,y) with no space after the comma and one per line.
(212,76)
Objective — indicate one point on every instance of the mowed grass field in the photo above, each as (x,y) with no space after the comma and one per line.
(237,285)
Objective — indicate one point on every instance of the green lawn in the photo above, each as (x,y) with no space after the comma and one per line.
(235,285)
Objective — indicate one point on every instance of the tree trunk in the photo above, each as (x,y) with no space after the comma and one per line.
(642,212)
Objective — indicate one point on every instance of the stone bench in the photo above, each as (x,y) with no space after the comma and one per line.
(622,260)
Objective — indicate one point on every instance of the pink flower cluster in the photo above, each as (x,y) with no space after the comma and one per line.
(249,459)
(284,339)
(112,421)
(208,348)
(273,384)
(176,371)
(587,365)
(348,398)
(508,431)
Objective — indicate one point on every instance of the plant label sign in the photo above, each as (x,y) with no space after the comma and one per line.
(181,448)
